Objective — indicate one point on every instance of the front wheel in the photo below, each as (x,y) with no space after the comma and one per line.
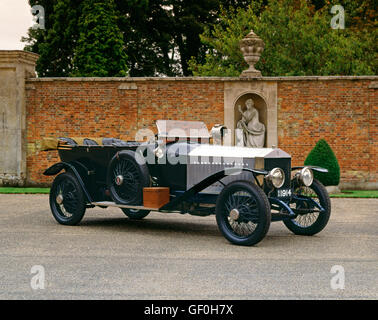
(243,213)
(135,214)
(67,200)
(314,221)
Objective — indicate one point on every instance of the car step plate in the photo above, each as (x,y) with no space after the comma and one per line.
(113,204)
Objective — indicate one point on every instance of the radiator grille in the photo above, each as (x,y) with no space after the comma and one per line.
(285,165)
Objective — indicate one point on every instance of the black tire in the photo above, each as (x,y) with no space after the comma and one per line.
(247,199)
(135,214)
(135,176)
(67,199)
(311,223)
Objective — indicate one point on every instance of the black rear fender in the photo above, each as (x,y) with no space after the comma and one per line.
(55,169)
(76,168)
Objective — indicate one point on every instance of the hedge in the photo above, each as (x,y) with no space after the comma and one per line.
(323,156)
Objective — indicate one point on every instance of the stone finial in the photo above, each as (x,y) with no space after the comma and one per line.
(251,46)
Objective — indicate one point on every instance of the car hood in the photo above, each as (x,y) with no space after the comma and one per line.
(207,150)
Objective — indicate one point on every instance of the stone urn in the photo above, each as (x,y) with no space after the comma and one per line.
(251,46)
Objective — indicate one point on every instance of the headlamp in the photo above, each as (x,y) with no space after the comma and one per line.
(276,177)
(306,176)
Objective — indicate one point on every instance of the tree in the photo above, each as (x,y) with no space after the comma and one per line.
(147,29)
(298,41)
(100,51)
(56,43)
(189,20)
(160,36)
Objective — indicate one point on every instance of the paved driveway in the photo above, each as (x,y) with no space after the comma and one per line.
(172,256)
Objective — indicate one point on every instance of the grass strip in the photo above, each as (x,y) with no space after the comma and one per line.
(356,194)
(18,190)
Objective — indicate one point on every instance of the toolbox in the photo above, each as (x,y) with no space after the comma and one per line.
(155,197)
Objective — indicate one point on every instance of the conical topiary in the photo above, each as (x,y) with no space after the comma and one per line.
(323,156)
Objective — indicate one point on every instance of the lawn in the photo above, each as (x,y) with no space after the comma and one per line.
(356,194)
(18,190)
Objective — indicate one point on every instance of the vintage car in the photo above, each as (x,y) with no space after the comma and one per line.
(246,188)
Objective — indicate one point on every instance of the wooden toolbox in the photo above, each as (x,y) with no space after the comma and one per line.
(155,197)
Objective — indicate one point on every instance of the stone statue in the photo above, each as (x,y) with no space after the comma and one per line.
(250,132)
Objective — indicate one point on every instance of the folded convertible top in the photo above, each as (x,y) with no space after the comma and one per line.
(53,143)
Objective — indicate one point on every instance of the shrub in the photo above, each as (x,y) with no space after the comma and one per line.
(322,155)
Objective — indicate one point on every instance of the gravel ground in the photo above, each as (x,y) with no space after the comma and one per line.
(173,256)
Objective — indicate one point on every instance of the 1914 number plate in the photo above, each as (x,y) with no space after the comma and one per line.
(284,193)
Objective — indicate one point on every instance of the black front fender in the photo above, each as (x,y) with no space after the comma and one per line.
(315,168)
(208,182)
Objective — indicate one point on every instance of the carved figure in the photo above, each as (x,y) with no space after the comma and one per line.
(251,132)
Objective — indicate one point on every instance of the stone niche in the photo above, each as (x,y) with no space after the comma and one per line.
(264,95)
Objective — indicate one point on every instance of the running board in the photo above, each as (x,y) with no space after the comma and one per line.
(113,204)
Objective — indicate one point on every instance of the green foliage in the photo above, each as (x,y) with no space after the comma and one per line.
(56,43)
(65,23)
(100,51)
(159,36)
(224,57)
(322,155)
(298,41)
(162,35)
(175,37)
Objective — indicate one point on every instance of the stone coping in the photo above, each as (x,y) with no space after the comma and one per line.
(221,79)
(16,56)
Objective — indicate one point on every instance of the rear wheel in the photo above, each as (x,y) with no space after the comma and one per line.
(135,214)
(67,200)
(313,222)
(126,178)
(243,213)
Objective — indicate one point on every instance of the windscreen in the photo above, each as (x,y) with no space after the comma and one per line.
(182,129)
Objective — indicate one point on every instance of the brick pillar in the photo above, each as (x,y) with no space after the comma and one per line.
(15,67)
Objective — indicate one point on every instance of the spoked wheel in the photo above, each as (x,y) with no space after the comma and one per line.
(314,220)
(135,214)
(243,213)
(67,201)
(127,176)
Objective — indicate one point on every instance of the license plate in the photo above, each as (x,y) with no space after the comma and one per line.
(284,193)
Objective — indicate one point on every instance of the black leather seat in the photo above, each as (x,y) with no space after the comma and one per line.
(89,142)
(69,141)
(119,143)
(105,142)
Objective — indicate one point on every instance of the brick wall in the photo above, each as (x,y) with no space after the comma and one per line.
(343,111)
(58,108)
